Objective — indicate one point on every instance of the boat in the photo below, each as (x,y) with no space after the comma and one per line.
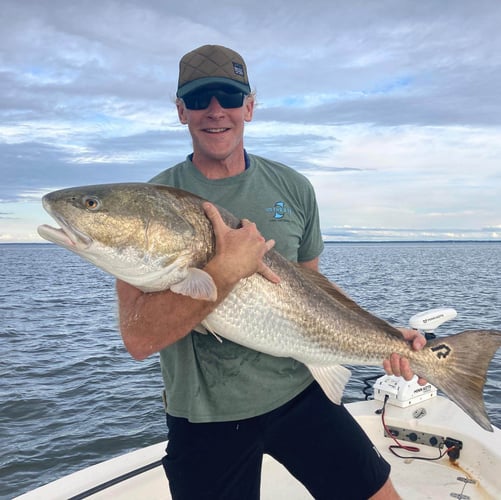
(434,448)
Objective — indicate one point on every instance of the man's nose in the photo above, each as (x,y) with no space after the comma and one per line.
(214,106)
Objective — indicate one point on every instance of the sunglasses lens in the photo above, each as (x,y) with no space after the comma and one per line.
(197,100)
(230,99)
(201,100)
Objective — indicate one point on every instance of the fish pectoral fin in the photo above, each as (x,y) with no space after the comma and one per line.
(198,284)
(332,379)
(201,329)
(205,330)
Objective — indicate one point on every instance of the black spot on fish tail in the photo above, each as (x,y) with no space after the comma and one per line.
(465,358)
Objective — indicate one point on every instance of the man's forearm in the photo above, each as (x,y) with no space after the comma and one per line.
(151,321)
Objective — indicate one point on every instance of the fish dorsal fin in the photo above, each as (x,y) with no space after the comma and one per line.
(332,380)
(322,282)
(197,284)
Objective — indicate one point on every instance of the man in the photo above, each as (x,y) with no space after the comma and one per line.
(226,404)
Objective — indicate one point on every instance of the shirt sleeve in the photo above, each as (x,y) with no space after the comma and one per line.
(312,244)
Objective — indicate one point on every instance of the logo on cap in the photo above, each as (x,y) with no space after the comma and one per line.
(238,69)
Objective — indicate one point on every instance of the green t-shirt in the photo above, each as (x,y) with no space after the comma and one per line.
(210,381)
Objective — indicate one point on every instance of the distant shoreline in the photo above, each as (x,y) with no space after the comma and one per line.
(327,242)
(330,242)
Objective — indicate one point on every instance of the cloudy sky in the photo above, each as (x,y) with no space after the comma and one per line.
(392,108)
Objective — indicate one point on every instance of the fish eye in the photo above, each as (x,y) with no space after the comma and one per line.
(91,203)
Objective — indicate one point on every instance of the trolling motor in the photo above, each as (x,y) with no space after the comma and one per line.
(403,392)
(428,321)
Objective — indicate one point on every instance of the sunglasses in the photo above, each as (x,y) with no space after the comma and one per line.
(201,100)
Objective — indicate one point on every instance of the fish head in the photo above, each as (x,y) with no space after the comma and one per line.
(144,234)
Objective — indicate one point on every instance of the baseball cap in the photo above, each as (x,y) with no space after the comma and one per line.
(212,65)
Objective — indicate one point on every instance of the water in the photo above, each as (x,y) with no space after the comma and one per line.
(71,396)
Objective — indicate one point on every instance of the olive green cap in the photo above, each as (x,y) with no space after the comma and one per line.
(212,65)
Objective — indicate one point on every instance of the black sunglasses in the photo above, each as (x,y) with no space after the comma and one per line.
(201,99)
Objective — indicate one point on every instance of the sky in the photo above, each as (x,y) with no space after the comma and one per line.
(391,108)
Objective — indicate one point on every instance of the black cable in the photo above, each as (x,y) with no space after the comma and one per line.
(369,386)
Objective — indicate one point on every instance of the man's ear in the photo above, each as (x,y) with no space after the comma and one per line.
(249,108)
(181,112)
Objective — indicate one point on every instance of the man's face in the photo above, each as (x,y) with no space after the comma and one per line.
(217,132)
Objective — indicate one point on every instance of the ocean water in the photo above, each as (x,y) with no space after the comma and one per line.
(70,395)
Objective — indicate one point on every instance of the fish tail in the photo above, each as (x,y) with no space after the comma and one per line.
(462,361)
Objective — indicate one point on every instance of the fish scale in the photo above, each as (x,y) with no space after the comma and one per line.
(262,320)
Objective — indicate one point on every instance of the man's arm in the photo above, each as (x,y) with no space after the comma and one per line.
(151,321)
(311,264)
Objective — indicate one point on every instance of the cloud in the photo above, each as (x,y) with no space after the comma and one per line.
(391,108)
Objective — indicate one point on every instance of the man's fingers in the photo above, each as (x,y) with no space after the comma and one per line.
(215,218)
(254,238)
(395,364)
(212,212)
(417,339)
(267,273)
(264,270)
(269,245)
(405,369)
(418,342)
(400,366)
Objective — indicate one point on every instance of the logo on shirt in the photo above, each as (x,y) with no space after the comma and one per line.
(280,211)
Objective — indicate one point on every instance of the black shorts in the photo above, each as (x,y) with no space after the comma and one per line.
(319,442)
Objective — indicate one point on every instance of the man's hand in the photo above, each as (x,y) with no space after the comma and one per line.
(241,249)
(398,365)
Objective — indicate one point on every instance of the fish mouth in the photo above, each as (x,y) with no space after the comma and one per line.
(67,235)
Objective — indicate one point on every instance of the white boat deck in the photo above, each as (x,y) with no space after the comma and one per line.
(476,475)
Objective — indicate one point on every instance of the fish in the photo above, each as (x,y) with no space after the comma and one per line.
(157,237)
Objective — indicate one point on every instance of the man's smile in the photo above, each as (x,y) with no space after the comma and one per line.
(215,130)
